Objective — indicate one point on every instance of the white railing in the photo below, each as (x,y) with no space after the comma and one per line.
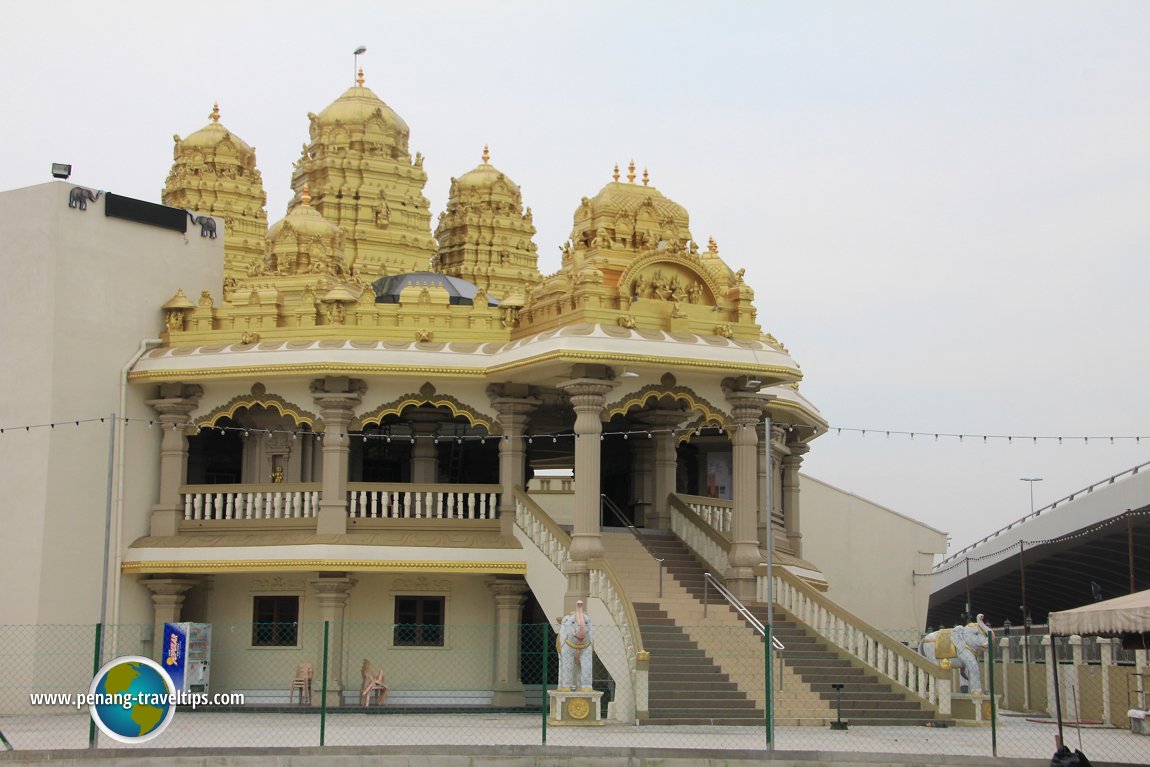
(849,633)
(545,534)
(605,586)
(885,655)
(700,537)
(279,501)
(716,512)
(406,501)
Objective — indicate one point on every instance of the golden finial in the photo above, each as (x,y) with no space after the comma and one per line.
(359,78)
(712,246)
(615,175)
(486,154)
(646,178)
(631,173)
(305,196)
(215,115)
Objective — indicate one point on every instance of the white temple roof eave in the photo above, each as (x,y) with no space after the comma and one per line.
(582,343)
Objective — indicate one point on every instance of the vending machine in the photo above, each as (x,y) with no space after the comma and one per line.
(186,654)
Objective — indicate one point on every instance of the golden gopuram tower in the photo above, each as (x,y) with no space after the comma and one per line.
(214,172)
(485,236)
(363,179)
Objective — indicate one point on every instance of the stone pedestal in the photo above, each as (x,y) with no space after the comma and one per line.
(575,708)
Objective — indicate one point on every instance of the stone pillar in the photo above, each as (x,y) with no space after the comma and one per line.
(509,595)
(167,600)
(1106,655)
(1004,658)
(746,409)
(425,451)
(587,395)
(331,595)
(1141,666)
(1069,679)
(643,480)
(176,401)
(665,465)
(791,517)
(336,399)
(1048,640)
(513,415)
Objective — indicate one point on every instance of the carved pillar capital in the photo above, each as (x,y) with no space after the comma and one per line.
(167,601)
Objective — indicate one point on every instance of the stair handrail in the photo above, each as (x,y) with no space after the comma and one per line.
(605,502)
(617,603)
(871,646)
(740,608)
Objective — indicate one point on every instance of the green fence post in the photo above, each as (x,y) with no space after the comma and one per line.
(92,736)
(543,684)
(323,693)
(993,708)
(767,682)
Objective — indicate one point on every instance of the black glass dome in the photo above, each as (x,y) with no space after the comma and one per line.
(462,292)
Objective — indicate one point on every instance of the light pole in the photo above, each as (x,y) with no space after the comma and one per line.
(1030,481)
(1025,610)
(355,53)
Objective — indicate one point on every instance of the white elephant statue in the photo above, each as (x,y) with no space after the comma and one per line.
(573,643)
(959,646)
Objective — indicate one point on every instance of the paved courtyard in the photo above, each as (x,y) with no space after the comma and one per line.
(1017,736)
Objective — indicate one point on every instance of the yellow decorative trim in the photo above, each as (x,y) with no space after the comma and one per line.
(658,391)
(325,565)
(284,371)
(257,399)
(396,408)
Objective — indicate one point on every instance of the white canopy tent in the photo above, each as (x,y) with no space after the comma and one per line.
(1122,615)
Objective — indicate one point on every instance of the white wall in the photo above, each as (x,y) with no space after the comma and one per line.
(81,291)
(868,554)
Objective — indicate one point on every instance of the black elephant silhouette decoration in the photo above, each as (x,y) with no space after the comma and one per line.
(79,197)
(207,225)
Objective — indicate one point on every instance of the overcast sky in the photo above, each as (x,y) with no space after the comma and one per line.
(943,208)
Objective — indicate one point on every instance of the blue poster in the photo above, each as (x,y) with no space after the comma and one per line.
(174,652)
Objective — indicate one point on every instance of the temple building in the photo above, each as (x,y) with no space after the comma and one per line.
(357,419)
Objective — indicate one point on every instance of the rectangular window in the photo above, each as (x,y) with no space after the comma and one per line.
(275,621)
(419,621)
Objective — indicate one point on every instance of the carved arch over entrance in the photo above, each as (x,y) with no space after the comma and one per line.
(708,414)
(258,397)
(425,396)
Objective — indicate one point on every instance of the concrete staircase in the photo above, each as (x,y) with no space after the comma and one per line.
(697,658)
(686,686)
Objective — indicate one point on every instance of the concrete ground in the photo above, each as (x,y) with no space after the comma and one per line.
(496,739)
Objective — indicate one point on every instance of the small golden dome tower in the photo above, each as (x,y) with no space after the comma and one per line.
(485,236)
(214,172)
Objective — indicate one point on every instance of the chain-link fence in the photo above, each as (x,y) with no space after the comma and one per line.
(712,686)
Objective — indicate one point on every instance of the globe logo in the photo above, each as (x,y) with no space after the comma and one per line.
(131,699)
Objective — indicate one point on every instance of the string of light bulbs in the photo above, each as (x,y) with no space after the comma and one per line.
(627,434)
